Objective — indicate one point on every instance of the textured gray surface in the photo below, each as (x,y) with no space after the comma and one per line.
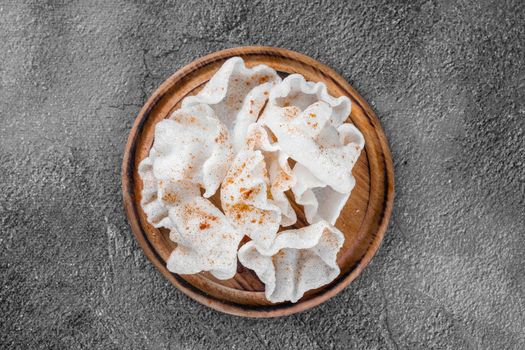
(446,80)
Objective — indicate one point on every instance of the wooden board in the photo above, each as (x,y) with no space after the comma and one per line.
(363,220)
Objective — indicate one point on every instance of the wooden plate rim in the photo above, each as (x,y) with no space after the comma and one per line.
(202,297)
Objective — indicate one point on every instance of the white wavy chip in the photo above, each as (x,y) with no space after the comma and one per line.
(192,145)
(206,240)
(319,200)
(245,200)
(237,95)
(312,134)
(308,124)
(298,260)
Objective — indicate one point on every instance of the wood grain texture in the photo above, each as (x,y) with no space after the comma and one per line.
(363,220)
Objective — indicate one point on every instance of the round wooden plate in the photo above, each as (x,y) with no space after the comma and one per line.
(363,220)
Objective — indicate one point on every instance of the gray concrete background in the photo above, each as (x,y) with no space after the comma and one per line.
(447,81)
